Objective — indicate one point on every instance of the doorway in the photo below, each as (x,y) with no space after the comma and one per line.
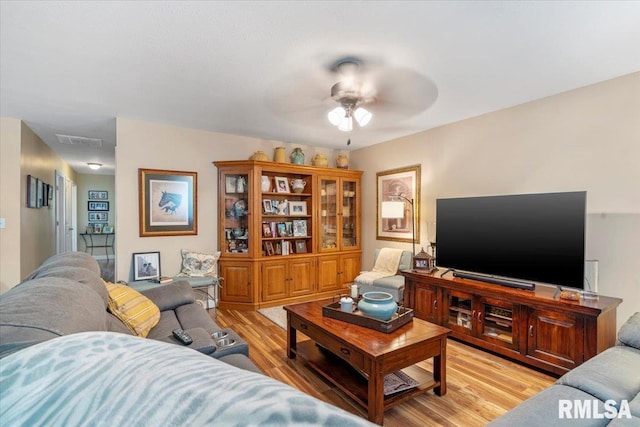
(66,214)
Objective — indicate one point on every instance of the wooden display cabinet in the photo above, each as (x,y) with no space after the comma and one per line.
(276,222)
(534,327)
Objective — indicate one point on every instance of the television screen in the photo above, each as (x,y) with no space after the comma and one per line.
(534,237)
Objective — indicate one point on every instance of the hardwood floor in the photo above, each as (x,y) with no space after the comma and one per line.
(480,386)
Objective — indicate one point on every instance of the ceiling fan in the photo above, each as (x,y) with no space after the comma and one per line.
(353,89)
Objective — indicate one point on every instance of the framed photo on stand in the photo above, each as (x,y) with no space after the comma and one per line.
(282,185)
(146,265)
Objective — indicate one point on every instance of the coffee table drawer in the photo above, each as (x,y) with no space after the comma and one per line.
(344,351)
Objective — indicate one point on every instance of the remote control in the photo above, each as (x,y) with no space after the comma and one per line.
(182,336)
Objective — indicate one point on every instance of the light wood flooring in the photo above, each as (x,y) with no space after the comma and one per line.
(480,385)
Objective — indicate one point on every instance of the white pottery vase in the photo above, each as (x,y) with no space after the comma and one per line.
(265,183)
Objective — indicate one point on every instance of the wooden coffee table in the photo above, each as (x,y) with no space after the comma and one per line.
(369,355)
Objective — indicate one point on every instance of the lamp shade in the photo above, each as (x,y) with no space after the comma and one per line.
(392,210)
(336,115)
(362,116)
(346,124)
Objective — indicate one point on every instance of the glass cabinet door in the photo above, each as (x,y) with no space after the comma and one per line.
(349,214)
(236,209)
(328,214)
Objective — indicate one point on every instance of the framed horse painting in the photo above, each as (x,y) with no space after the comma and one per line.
(168,202)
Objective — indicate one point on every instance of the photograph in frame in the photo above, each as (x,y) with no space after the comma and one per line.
(168,203)
(146,265)
(32,192)
(298,208)
(404,181)
(301,246)
(299,227)
(98,206)
(282,185)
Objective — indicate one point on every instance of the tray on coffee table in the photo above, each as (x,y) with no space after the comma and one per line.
(401,317)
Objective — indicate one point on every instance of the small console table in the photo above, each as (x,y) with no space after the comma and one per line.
(89,244)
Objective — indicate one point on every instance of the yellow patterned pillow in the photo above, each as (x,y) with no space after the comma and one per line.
(135,310)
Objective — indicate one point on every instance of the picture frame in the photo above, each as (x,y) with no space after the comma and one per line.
(50,192)
(268,248)
(406,182)
(97,228)
(98,216)
(301,246)
(39,193)
(98,206)
(230,184)
(282,185)
(107,229)
(45,194)
(298,208)
(282,229)
(266,230)
(299,227)
(146,265)
(98,195)
(168,203)
(32,192)
(267,207)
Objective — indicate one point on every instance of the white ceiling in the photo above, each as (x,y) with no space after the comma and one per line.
(73,67)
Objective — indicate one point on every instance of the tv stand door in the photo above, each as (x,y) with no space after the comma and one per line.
(555,337)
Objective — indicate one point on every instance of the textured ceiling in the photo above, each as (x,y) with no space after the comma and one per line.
(256,68)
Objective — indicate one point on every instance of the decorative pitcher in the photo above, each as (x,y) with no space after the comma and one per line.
(241,185)
(297,185)
(297,156)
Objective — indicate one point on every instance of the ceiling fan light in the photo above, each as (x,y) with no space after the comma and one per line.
(346,124)
(336,115)
(362,116)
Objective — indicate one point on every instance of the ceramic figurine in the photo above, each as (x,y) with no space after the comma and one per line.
(297,156)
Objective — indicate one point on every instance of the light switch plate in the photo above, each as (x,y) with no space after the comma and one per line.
(3,223)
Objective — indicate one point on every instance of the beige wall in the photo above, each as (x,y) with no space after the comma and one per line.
(10,202)
(155,146)
(37,228)
(585,139)
(29,237)
(87,182)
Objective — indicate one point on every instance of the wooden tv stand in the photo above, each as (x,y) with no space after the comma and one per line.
(532,327)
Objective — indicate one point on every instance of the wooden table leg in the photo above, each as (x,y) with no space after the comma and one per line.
(291,338)
(376,396)
(440,369)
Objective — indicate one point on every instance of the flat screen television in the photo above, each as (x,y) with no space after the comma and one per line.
(531,237)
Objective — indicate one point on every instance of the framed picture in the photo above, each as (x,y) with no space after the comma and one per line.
(45,194)
(297,208)
(300,227)
(98,206)
(98,216)
(282,229)
(98,195)
(97,228)
(267,207)
(107,229)
(403,182)
(266,230)
(301,246)
(168,203)
(268,248)
(288,225)
(146,265)
(50,192)
(282,185)
(39,193)
(230,184)
(32,192)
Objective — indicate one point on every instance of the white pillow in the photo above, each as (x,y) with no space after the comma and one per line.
(199,264)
